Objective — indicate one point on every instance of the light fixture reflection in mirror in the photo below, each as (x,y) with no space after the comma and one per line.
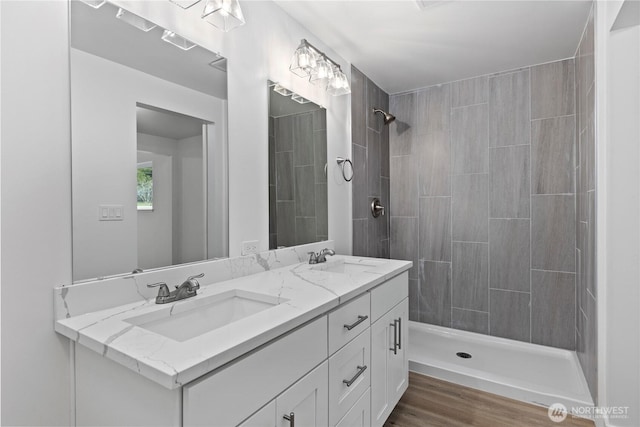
(298,208)
(115,87)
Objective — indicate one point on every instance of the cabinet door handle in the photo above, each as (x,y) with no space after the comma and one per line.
(400,333)
(361,369)
(395,337)
(291,418)
(356,323)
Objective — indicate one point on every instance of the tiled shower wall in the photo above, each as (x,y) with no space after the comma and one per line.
(483,203)
(370,147)
(585,173)
(297,181)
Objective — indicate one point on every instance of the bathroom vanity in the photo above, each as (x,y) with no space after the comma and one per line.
(299,344)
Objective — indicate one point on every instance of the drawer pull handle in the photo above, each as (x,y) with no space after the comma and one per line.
(361,369)
(291,418)
(400,333)
(356,323)
(395,336)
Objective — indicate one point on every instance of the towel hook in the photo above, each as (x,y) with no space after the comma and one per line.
(343,162)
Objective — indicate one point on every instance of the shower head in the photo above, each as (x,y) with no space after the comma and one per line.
(388,118)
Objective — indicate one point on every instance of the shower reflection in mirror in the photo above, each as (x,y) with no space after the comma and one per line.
(297,169)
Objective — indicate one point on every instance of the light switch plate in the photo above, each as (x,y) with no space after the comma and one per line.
(111,213)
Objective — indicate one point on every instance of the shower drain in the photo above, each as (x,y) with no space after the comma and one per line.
(463,355)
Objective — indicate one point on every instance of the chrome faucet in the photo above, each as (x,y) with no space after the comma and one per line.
(317,258)
(187,289)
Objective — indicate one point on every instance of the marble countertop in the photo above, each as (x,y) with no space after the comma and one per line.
(302,292)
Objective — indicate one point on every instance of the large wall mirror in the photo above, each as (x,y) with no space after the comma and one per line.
(298,208)
(149,145)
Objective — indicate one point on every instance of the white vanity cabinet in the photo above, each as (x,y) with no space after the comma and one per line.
(389,333)
(345,368)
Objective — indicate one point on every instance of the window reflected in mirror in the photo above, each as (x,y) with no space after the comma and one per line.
(297,170)
(145,185)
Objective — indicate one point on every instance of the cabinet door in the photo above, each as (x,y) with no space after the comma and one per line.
(307,400)
(389,364)
(358,415)
(265,417)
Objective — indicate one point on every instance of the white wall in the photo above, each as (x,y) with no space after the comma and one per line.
(36,245)
(104,96)
(36,210)
(618,108)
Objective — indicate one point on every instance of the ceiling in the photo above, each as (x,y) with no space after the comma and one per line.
(402,46)
(167,124)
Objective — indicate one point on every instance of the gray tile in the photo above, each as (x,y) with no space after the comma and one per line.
(414,300)
(552,145)
(590,147)
(358,107)
(272,209)
(273,241)
(470,208)
(272,160)
(373,163)
(286,224)
(553,309)
(509,109)
(472,321)
(433,106)
(470,91)
(320,155)
(305,230)
(470,269)
(303,140)
(384,152)
(469,139)
(435,293)
(360,234)
(402,130)
(384,200)
(552,89)
(403,236)
(374,100)
(359,183)
(377,230)
(435,228)
(284,175)
(509,315)
(322,210)
(272,128)
(385,249)
(509,250)
(319,117)
(284,134)
(434,160)
(404,186)
(553,233)
(305,191)
(509,189)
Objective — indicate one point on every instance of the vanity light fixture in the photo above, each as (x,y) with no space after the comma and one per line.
(176,40)
(185,4)
(223,14)
(135,20)
(313,64)
(278,88)
(299,99)
(94,3)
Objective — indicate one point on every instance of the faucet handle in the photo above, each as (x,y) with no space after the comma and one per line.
(197,276)
(193,281)
(313,257)
(163,291)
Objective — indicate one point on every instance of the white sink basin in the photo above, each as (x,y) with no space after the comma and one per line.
(347,267)
(190,318)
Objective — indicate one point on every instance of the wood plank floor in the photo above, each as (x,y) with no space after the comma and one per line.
(432,402)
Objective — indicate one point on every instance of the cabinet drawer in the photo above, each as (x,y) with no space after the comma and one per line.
(356,312)
(360,414)
(350,364)
(265,417)
(389,294)
(232,393)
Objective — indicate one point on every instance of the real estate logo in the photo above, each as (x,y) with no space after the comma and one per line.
(557,412)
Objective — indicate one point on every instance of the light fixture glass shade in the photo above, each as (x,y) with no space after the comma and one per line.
(223,14)
(338,85)
(94,3)
(304,60)
(176,40)
(299,99)
(282,90)
(323,73)
(185,4)
(135,20)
